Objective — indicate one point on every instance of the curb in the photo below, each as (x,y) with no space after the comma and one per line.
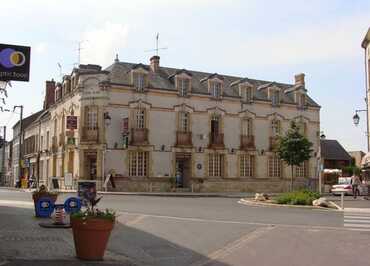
(155,194)
(266,204)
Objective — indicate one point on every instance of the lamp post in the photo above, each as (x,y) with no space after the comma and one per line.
(356,122)
(107,121)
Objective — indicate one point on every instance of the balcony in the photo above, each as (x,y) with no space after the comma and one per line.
(247,142)
(61,139)
(139,136)
(184,139)
(216,141)
(90,135)
(274,142)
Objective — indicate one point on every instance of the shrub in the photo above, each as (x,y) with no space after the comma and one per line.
(302,197)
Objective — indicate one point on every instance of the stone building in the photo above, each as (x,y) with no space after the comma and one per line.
(152,126)
(366,46)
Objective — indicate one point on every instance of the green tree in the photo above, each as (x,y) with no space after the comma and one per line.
(294,148)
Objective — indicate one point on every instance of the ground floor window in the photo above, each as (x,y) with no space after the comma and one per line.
(274,166)
(301,171)
(246,163)
(138,163)
(216,165)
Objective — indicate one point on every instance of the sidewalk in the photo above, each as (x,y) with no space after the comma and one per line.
(158,194)
(24,242)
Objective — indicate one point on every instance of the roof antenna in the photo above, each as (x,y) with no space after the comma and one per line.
(79,51)
(60,69)
(157,48)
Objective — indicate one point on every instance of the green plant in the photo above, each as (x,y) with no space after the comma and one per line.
(42,190)
(294,148)
(302,197)
(92,212)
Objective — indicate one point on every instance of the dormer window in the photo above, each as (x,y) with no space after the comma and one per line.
(275,98)
(183,86)
(216,89)
(58,93)
(301,100)
(246,93)
(138,81)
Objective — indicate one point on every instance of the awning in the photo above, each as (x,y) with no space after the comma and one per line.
(332,171)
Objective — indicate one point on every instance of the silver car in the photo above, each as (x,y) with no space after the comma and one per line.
(344,184)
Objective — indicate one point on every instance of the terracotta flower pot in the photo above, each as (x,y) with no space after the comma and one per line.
(91,237)
(39,195)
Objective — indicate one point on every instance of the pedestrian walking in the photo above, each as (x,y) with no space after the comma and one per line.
(355,181)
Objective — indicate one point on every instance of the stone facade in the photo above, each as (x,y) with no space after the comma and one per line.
(153,127)
(366,45)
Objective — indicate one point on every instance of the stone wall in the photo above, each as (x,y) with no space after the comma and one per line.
(252,185)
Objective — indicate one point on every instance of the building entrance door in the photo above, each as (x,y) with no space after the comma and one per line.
(90,166)
(183,173)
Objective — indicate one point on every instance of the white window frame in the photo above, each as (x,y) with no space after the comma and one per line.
(216,89)
(274,166)
(139,80)
(140,118)
(92,118)
(184,119)
(247,127)
(246,164)
(301,171)
(138,163)
(183,85)
(215,164)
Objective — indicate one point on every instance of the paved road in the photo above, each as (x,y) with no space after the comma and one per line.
(205,231)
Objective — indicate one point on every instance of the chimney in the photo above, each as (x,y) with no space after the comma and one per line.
(299,79)
(154,63)
(49,93)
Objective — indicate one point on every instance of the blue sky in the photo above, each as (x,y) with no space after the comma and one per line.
(270,40)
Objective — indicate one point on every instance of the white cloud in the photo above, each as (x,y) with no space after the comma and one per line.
(313,44)
(41,48)
(101,44)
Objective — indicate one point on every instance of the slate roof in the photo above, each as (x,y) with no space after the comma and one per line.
(119,73)
(332,150)
(29,119)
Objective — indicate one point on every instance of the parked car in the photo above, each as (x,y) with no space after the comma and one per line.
(344,184)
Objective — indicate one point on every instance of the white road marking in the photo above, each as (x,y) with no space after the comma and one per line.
(357,225)
(191,219)
(357,219)
(16,203)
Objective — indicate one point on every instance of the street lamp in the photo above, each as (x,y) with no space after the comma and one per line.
(356,119)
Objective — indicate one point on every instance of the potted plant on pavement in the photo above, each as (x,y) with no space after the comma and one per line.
(42,192)
(91,230)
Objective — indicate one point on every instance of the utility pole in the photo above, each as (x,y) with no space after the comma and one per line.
(20,141)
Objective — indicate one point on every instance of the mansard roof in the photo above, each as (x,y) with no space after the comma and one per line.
(119,73)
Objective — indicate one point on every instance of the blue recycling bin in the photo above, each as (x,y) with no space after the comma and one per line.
(44,207)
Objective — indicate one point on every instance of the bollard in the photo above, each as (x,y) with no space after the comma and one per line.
(342,200)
